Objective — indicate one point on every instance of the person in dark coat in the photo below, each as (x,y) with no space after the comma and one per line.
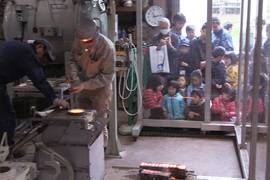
(219,76)
(168,38)
(195,111)
(185,62)
(17,60)
(266,44)
(198,51)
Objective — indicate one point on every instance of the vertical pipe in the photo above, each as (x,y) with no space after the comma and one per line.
(255,95)
(240,68)
(139,49)
(114,146)
(267,172)
(245,87)
(207,113)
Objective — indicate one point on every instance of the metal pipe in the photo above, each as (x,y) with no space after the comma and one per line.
(114,147)
(245,87)
(238,98)
(207,114)
(255,95)
(139,49)
(267,172)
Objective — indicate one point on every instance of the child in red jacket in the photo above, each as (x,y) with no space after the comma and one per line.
(249,108)
(152,98)
(223,107)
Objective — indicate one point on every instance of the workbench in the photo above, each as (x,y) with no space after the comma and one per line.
(26,89)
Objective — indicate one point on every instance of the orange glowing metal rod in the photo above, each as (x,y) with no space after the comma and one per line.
(185,97)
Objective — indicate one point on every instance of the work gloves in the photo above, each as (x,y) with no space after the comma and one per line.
(61,103)
(77,89)
(72,76)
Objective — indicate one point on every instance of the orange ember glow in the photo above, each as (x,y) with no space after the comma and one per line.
(165,165)
(185,97)
(76,111)
(182,167)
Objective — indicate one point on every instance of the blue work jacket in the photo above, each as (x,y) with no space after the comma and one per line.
(19,59)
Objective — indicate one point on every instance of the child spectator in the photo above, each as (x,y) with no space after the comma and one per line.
(190,30)
(195,111)
(231,69)
(182,82)
(186,65)
(196,83)
(152,98)
(223,107)
(219,76)
(263,64)
(173,103)
(263,94)
(249,107)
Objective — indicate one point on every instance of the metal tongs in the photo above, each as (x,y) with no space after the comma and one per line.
(72,83)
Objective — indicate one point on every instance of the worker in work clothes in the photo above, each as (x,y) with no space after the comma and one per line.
(93,61)
(17,60)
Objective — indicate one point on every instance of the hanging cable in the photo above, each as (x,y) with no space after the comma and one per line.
(133,70)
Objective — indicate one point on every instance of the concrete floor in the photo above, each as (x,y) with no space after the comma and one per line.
(215,157)
(205,156)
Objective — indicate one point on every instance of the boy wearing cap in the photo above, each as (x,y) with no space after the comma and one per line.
(17,60)
(93,61)
(185,64)
(219,76)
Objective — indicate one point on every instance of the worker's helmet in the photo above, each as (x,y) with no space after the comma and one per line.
(86,29)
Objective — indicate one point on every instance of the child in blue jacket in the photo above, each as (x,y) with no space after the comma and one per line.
(173,102)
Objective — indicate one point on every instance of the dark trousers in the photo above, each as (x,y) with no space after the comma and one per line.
(7,115)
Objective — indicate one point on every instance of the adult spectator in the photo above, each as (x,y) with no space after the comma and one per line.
(171,40)
(266,44)
(228,26)
(179,21)
(198,50)
(221,36)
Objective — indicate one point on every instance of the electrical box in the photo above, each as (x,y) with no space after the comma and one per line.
(21,13)
(50,31)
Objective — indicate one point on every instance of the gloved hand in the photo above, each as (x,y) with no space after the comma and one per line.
(61,103)
(77,89)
